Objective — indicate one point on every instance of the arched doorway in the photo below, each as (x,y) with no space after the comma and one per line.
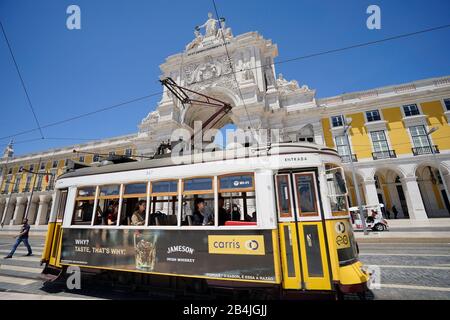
(391,193)
(433,192)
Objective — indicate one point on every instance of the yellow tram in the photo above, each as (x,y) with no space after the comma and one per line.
(273,218)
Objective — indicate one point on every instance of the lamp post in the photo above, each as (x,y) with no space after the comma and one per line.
(9,153)
(347,123)
(436,161)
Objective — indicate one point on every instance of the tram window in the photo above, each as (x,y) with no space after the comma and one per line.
(61,204)
(237,204)
(83,212)
(306,194)
(283,196)
(237,208)
(197,210)
(107,209)
(198,202)
(134,211)
(163,203)
(337,191)
(84,206)
(134,204)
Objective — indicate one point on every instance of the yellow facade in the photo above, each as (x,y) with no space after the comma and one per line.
(48,168)
(396,131)
(436,118)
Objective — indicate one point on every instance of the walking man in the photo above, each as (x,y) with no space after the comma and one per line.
(23,236)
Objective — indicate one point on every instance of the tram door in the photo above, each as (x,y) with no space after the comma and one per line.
(55,235)
(304,255)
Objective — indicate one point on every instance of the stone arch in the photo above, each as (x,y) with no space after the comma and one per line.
(198,112)
(432,189)
(389,190)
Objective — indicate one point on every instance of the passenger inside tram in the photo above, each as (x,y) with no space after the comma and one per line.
(234,208)
(198,211)
(112,213)
(224,215)
(138,217)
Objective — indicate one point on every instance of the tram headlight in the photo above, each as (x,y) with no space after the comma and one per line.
(364,269)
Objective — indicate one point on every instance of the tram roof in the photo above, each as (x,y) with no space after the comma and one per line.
(166,161)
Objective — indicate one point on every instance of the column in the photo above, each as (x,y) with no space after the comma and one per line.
(19,211)
(370,191)
(42,209)
(9,210)
(2,208)
(413,197)
(33,203)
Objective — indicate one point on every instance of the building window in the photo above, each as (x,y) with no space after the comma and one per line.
(16,185)
(306,139)
(10,171)
(43,166)
(31,167)
(55,164)
(419,136)
(81,159)
(337,121)
(447,104)
(380,145)
(66,163)
(342,146)
(112,153)
(21,169)
(7,183)
(28,182)
(96,157)
(39,183)
(51,181)
(411,110)
(128,152)
(373,115)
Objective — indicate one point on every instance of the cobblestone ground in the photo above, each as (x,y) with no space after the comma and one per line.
(407,271)
(410,270)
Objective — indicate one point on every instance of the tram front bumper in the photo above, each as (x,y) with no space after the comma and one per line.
(353,278)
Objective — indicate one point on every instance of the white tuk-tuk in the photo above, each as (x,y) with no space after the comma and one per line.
(373,217)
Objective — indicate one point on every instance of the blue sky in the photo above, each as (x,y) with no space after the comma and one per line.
(116,55)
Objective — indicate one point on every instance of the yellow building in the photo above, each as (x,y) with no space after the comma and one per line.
(27,181)
(396,157)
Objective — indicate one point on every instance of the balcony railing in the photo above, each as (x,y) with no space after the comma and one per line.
(346,158)
(384,154)
(425,150)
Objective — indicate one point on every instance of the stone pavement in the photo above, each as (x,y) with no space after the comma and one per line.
(433,230)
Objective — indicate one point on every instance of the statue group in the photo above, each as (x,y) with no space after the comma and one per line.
(214,29)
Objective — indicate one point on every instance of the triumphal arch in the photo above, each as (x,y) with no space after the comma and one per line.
(239,70)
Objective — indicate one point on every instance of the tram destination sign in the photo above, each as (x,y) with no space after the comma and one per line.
(233,254)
